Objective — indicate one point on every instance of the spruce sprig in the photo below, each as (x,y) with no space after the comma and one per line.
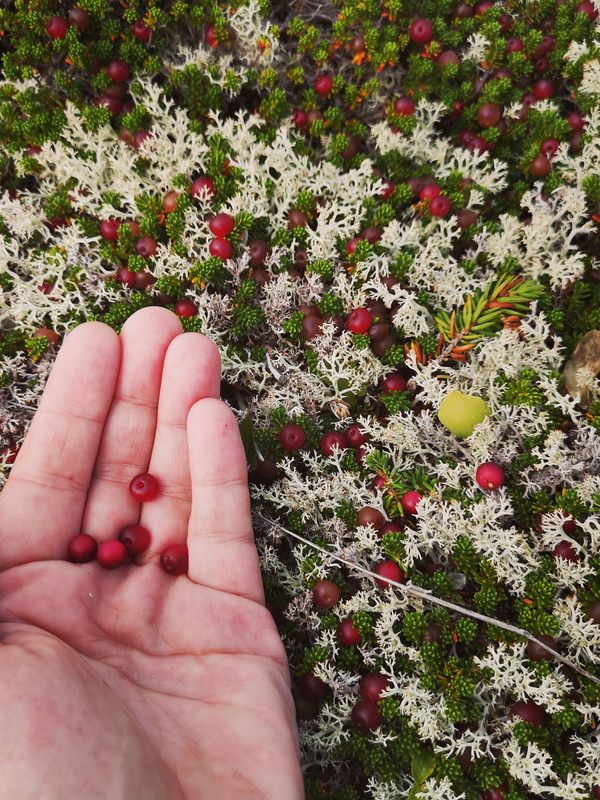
(485,312)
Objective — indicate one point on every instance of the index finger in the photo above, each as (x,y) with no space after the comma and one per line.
(42,503)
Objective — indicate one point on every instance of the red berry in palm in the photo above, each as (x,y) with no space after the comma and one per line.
(111,554)
(354,436)
(126,276)
(330,440)
(440,206)
(202,187)
(421,30)
(544,88)
(57,27)
(221,248)
(394,382)
(528,711)
(565,550)
(372,686)
(359,321)
(540,166)
(323,84)
(292,437)
(410,501)
(145,247)
(388,569)
(136,539)
(118,71)
(186,308)
(489,115)
(325,594)
(174,559)
(109,229)
(312,687)
(221,225)
(490,475)
(144,487)
(80,18)
(405,106)
(141,31)
(82,548)
(349,636)
(365,716)
(429,191)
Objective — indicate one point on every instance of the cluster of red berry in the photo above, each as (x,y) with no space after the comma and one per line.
(133,539)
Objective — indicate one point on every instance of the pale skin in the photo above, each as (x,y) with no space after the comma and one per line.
(132,684)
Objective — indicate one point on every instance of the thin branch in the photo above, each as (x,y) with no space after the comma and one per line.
(426,596)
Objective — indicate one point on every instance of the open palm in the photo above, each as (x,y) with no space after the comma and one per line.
(131,683)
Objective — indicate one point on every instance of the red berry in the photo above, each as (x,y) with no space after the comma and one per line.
(330,439)
(111,554)
(390,570)
(494,794)
(515,45)
(489,115)
(359,321)
(186,308)
(394,382)
(312,687)
(490,475)
(202,187)
(292,437)
(388,527)
(133,227)
(297,219)
(126,276)
(80,18)
(82,548)
(136,539)
(448,57)
(325,594)
(370,516)
(372,685)
(529,712)
(379,482)
(540,166)
(440,206)
(351,246)
(348,634)
(405,106)
(174,559)
(483,6)
(569,525)
(410,501)
(372,234)
(140,137)
(145,247)
(587,7)
(109,229)
(565,549)
(388,190)
(118,71)
(221,225)
(141,31)
(258,250)
(593,612)
(323,84)
(549,147)
(576,120)
(365,716)
(596,791)
(210,36)
(538,653)
(299,118)
(311,326)
(421,30)
(466,217)
(544,88)
(477,143)
(221,248)
(429,191)
(354,436)
(57,27)
(144,487)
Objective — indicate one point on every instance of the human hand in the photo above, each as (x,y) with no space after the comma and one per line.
(132,684)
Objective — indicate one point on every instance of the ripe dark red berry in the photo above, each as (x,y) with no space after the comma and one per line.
(109,229)
(394,382)
(576,121)
(359,320)
(388,527)
(299,118)
(80,18)
(186,308)
(544,89)
(311,326)
(596,791)
(565,550)
(405,106)
(221,248)
(421,30)
(174,559)
(349,636)
(126,277)
(466,217)
(372,686)
(410,501)
(312,687)
(440,206)
(111,554)
(258,250)
(372,234)
(221,225)
(494,794)
(365,716)
(139,137)
(118,71)
(429,190)
(528,711)
(354,436)
(540,166)
(170,202)
(515,45)
(323,84)
(325,594)
(370,516)
(489,115)
(447,58)
(210,36)
(587,7)
(549,147)
(351,245)
(390,570)
(330,440)
(569,525)
(136,539)
(57,27)
(202,187)
(388,190)
(292,437)
(538,653)
(144,487)
(141,31)
(82,548)
(593,612)
(145,247)
(490,475)
(297,219)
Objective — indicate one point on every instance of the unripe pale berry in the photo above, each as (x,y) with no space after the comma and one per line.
(174,559)
(111,554)
(490,475)
(82,548)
